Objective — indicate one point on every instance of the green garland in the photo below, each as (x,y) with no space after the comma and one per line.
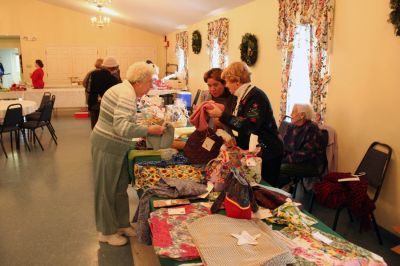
(395,15)
(249,49)
(196,42)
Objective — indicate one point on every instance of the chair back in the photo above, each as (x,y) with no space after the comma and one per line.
(322,159)
(45,115)
(374,165)
(13,117)
(45,98)
(283,126)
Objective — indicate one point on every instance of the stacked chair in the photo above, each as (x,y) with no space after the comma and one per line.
(13,121)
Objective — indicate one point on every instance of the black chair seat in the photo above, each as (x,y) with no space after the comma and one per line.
(9,128)
(33,124)
(33,116)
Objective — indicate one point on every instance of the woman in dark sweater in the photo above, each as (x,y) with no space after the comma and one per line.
(252,117)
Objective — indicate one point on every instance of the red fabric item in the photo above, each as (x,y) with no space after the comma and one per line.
(160,230)
(37,78)
(200,116)
(353,194)
(234,210)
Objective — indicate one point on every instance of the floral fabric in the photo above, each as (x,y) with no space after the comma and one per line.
(219,29)
(310,251)
(171,238)
(318,14)
(148,176)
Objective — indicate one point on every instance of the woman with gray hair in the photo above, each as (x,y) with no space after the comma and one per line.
(301,145)
(111,139)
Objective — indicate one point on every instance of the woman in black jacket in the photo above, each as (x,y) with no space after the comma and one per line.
(252,118)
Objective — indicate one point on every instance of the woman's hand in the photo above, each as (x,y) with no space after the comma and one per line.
(155,130)
(215,112)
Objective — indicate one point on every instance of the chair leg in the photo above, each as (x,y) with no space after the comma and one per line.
(350,216)
(376,228)
(17,142)
(311,202)
(25,140)
(36,137)
(336,218)
(52,134)
(2,145)
(54,131)
(11,141)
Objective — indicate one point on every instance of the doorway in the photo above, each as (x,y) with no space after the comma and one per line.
(10,60)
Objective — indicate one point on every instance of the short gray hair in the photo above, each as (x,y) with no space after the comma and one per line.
(139,71)
(306,109)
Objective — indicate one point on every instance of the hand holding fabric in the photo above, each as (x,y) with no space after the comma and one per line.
(215,112)
(155,130)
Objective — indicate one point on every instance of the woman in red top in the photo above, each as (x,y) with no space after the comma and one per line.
(37,75)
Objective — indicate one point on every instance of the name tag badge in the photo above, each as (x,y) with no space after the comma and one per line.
(208,144)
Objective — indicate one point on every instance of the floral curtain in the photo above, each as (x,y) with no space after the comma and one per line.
(318,14)
(219,29)
(182,39)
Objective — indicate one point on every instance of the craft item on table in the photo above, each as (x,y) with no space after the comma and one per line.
(353,194)
(311,251)
(237,197)
(148,176)
(244,238)
(146,101)
(170,202)
(171,238)
(210,187)
(196,152)
(182,132)
(177,159)
(166,154)
(168,188)
(176,211)
(289,213)
(164,141)
(268,198)
(132,154)
(176,114)
(212,236)
(200,117)
(278,190)
(262,213)
(213,195)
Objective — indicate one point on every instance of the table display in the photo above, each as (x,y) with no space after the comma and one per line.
(65,97)
(27,106)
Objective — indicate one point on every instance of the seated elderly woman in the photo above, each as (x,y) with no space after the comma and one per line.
(301,146)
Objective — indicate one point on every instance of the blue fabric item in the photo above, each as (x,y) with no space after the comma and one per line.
(176,160)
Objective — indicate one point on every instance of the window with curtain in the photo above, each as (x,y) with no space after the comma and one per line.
(181,50)
(317,20)
(218,42)
(299,82)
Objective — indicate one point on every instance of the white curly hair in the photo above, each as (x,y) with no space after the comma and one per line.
(139,71)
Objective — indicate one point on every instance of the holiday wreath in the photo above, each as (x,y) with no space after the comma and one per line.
(196,42)
(395,15)
(249,49)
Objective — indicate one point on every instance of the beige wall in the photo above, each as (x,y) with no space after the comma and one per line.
(364,90)
(57,26)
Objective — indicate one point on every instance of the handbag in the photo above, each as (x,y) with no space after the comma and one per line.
(195,151)
(237,196)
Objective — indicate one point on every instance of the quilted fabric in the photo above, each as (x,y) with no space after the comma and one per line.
(171,238)
(148,176)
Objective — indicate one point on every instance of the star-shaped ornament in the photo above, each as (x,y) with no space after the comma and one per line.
(245,238)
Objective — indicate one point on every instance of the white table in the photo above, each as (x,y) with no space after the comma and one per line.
(66,97)
(27,106)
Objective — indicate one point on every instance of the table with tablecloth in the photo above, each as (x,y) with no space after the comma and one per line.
(27,106)
(141,156)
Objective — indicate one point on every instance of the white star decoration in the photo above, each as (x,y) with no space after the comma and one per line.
(245,238)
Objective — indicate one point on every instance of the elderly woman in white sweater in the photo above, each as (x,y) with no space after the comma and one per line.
(111,139)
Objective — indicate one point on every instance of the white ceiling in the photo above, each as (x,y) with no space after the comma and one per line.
(158,16)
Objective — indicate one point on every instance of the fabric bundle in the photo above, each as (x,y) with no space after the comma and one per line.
(200,117)
(267,198)
(171,238)
(212,236)
(353,194)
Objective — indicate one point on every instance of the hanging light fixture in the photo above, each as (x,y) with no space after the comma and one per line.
(100,3)
(100,21)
